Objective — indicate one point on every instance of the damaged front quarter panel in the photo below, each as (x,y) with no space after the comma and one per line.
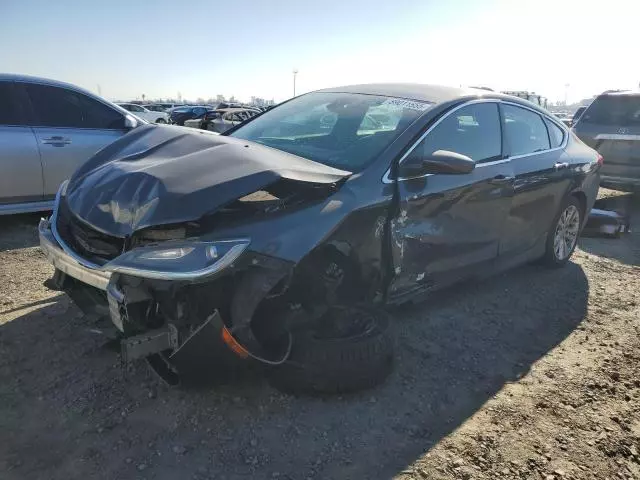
(169,190)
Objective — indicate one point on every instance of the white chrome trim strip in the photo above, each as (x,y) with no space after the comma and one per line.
(524,155)
(66,263)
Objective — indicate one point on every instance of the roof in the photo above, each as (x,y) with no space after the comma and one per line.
(431,93)
(14,77)
(413,91)
(621,93)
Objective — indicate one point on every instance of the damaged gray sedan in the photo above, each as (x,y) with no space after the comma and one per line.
(280,240)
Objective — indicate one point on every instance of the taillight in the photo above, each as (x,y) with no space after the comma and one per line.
(600,159)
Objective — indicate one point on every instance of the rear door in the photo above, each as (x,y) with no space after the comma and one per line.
(611,125)
(542,172)
(69,127)
(450,225)
(20,167)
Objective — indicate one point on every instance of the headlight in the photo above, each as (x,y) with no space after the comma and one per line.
(180,260)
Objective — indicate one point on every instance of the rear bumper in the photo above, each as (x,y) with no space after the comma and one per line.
(64,262)
(626,184)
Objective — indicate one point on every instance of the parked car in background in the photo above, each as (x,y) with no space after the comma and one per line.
(221,120)
(146,114)
(155,108)
(611,125)
(531,96)
(577,114)
(168,106)
(231,105)
(179,115)
(267,241)
(47,130)
(564,118)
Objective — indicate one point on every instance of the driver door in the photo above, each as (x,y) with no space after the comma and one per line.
(449,225)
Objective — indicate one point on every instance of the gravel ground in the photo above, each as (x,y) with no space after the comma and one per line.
(531,374)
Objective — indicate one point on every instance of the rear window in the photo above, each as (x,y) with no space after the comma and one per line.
(556,135)
(619,110)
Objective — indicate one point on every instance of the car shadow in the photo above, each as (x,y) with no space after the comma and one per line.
(72,412)
(624,248)
(19,231)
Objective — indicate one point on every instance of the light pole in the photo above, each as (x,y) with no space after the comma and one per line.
(295,72)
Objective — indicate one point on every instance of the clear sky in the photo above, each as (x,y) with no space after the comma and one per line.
(249,47)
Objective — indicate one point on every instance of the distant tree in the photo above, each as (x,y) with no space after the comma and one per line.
(200,100)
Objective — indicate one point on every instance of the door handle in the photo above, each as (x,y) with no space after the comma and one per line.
(501,179)
(56,141)
(561,165)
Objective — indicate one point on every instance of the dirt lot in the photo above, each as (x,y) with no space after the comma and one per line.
(531,374)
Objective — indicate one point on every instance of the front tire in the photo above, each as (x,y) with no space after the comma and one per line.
(354,356)
(161,121)
(563,235)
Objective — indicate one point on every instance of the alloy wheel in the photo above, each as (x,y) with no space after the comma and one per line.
(566,234)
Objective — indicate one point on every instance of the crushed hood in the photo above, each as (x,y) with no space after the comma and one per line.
(160,175)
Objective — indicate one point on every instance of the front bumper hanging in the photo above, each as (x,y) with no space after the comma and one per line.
(210,344)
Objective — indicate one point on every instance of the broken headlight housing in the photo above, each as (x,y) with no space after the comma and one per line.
(179,260)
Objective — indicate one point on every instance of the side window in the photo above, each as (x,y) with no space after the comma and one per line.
(58,107)
(556,134)
(473,131)
(99,115)
(135,108)
(126,106)
(228,117)
(524,130)
(9,111)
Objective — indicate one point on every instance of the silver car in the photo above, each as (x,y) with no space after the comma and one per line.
(47,130)
(222,119)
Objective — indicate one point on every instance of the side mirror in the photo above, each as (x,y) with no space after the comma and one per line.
(441,161)
(130,122)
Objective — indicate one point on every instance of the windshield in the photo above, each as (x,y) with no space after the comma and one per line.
(618,110)
(342,130)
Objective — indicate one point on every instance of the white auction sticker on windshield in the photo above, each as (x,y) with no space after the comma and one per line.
(410,104)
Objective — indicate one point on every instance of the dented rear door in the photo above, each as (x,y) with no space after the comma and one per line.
(449,225)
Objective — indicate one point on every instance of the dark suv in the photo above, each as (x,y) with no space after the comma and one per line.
(611,125)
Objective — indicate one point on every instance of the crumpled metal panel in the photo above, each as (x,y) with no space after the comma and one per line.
(165,175)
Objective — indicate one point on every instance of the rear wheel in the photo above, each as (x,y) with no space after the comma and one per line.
(348,349)
(563,236)
(161,121)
